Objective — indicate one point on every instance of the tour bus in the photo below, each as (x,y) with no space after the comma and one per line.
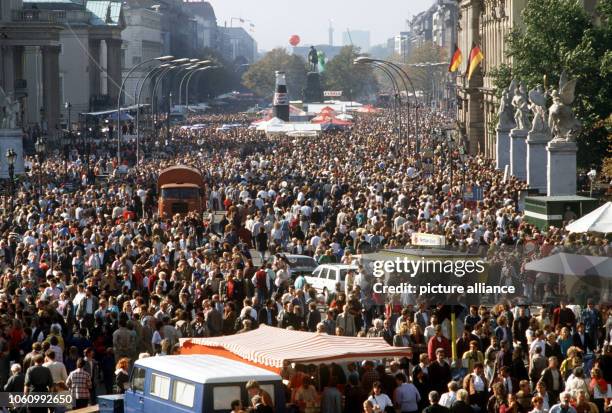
(196,383)
(181,190)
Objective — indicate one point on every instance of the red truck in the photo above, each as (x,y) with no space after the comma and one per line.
(181,190)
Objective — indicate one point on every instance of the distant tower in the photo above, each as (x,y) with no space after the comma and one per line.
(331,33)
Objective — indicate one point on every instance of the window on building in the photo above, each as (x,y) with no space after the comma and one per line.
(224,395)
(160,386)
(183,393)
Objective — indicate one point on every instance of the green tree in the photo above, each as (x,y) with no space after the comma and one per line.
(215,82)
(426,78)
(260,75)
(560,35)
(355,81)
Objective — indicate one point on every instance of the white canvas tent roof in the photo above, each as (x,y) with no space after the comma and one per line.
(573,264)
(273,347)
(599,220)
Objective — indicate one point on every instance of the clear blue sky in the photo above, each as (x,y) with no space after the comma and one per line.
(276,20)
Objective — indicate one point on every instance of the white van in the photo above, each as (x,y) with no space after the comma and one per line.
(196,383)
(325,276)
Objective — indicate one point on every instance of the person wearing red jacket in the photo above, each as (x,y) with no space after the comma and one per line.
(436,342)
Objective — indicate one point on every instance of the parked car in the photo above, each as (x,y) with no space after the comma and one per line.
(325,276)
(300,265)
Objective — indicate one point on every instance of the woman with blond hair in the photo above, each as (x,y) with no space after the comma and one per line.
(122,375)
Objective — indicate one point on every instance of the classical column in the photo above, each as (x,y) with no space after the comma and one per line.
(94,70)
(113,67)
(51,92)
(561,170)
(33,75)
(104,65)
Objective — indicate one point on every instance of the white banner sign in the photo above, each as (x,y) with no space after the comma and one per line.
(428,240)
(332,93)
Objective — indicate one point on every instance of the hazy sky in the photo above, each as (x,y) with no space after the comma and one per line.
(276,20)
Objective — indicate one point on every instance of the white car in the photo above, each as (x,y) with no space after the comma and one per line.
(325,276)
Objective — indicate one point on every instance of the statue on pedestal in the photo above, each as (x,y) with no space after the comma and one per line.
(313,59)
(537,97)
(506,119)
(521,106)
(561,119)
(9,111)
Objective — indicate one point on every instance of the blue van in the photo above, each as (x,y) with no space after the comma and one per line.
(196,383)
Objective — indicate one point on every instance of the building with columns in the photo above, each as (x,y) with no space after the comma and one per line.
(26,32)
(485,23)
(89,55)
(142,40)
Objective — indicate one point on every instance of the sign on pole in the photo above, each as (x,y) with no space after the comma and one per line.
(332,93)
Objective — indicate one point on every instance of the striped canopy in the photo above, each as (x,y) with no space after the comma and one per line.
(271,346)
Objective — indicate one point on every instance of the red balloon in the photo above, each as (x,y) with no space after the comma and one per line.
(294,40)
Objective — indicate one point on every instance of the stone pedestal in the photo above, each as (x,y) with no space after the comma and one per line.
(537,161)
(11,138)
(502,148)
(561,171)
(313,92)
(518,153)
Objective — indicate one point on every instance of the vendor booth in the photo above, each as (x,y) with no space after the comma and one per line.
(272,348)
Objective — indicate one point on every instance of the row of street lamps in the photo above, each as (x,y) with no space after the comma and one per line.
(168,64)
(389,68)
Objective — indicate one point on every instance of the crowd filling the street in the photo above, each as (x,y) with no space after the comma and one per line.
(94,279)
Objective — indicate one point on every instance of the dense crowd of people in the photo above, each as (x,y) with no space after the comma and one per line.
(93,278)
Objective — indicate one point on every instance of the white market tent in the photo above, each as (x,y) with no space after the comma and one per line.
(272,347)
(572,264)
(599,220)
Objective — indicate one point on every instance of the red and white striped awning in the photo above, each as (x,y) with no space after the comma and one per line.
(272,347)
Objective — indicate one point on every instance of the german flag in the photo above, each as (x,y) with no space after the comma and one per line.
(474,60)
(456,60)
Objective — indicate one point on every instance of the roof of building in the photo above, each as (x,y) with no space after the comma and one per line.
(207,369)
(104,12)
(200,8)
(53,4)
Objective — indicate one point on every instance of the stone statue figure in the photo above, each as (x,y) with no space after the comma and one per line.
(561,119)
(537,97)
(9,111)
(313,59)
(506,119)
(521,107)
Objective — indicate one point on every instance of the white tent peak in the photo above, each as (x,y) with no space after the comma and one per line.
(599,220)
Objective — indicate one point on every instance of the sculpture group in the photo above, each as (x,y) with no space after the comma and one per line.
(535,141)
(559,121)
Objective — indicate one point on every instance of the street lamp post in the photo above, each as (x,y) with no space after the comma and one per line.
(396,106)
(138,93)
(40,152)
(68,107)
(592,174)
(11,156)
(196,67)
(155,59)
(189,81)
(404,76)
